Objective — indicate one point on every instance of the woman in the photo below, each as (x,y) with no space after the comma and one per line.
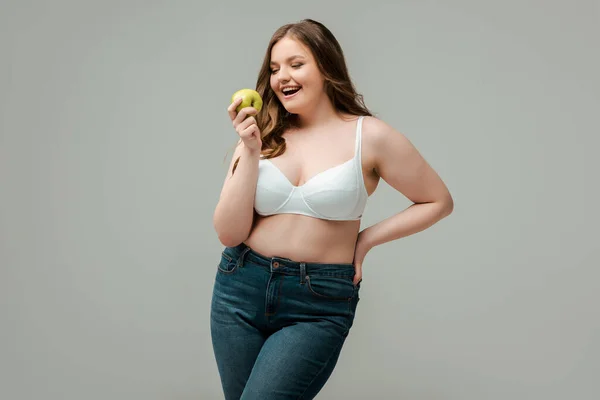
(287,284)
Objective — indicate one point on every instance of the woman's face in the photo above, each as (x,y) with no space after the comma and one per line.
(293,66)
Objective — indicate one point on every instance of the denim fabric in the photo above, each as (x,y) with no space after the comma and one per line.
(277,325)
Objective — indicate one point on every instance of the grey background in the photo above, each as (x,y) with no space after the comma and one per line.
(115,141)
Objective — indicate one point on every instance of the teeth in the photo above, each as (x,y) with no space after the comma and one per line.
(288,89)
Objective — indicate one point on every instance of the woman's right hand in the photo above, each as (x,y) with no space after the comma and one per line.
(245,125)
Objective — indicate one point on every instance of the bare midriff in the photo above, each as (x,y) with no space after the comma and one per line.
(304,238)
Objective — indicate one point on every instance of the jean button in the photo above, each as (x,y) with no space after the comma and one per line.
(275,264)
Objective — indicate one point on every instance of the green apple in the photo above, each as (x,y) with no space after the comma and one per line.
(250,98)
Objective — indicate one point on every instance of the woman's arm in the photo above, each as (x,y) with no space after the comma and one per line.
(234,213)
(400,164)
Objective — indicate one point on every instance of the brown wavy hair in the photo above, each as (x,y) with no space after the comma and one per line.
(273,119)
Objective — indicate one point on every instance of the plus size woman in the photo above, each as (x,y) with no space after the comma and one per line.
(288,280)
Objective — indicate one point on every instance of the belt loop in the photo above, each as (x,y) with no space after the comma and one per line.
(302,272)
(240,261)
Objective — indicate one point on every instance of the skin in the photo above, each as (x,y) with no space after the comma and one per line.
(325,139)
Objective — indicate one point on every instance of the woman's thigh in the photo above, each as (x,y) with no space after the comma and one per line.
(295,362)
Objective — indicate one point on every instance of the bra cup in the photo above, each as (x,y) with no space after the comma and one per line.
(272,190)
(333,195)
(267,202)
(333,204)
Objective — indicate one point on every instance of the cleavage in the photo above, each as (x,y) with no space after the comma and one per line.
(320,171)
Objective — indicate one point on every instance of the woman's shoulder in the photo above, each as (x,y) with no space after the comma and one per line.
(378,131)
(380,140)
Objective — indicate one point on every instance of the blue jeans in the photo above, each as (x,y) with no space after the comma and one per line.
(278,325)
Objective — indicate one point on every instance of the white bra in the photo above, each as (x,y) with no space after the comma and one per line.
(338,193)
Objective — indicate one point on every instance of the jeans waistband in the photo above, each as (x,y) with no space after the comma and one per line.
(283,264)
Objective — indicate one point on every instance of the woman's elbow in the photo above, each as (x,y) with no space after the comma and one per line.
(229,237)
(229,241)
(447,205)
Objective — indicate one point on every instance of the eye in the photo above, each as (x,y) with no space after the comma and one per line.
(296,65)
(273,71)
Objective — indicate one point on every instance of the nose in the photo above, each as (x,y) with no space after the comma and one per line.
(282,75)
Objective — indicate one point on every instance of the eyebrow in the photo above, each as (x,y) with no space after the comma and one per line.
(289,58)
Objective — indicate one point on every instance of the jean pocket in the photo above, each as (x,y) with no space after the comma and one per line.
(331,287)
(228,263)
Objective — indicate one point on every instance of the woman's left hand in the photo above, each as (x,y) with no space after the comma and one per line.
(360,251)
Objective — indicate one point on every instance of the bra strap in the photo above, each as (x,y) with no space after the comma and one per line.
(358,144)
